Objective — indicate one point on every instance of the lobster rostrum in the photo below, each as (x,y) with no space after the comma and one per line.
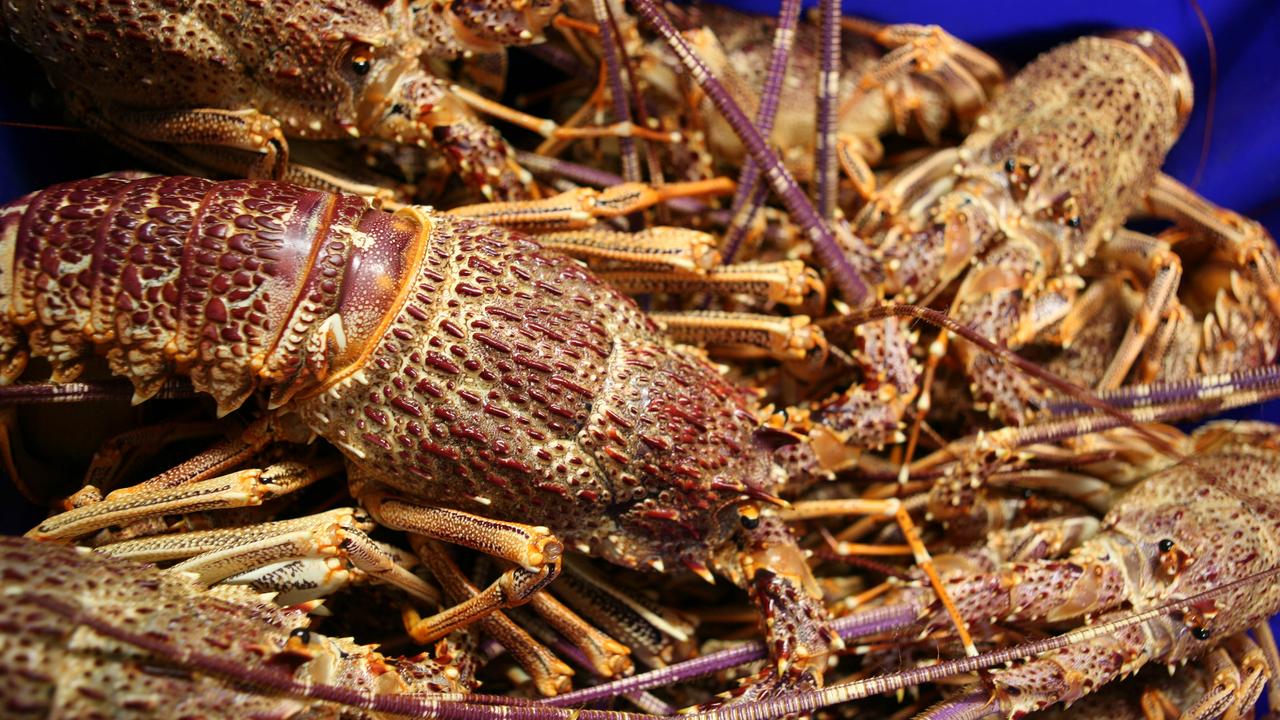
(486,392)
(197,85)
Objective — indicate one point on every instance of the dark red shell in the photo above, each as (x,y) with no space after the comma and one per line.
(460,365)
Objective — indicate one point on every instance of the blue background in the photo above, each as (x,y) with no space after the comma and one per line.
(1242,171)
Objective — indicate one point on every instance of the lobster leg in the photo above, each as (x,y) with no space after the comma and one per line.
(534,550)
(905,261)
(578,209)
(966,74)
(247,131)
(550,675)
(216,555)
(1152,258)
(668,248)
(245,488)
(1237,674)
(855,156)
(549,129)
(1249,243)
(121,453)
(607,656)
(656,635)
(1267,643)
(748,335)
(789,282)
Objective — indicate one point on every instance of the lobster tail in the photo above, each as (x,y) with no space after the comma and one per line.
(230,283)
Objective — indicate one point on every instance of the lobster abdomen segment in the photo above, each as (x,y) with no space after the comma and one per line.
(224,282)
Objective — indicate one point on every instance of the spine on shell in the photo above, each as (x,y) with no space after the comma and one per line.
(239,285)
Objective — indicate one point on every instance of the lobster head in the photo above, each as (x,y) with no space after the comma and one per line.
(1059,160)
(362,71)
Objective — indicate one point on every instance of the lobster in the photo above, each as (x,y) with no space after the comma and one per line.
(486,392)
(224,86)
(1158,580)
(56,665)
(928,81)
(1041,187)
(1153,547)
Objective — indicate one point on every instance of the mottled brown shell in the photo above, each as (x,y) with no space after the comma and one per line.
(163,55)
(55,668)
(514,384)
(1079,134)
(460,365)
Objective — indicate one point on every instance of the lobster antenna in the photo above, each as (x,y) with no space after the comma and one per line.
(35,393)
(811,700)
(617,92)
(42,126)
(1230,390)
(751,191)
(1213,92)
(828,249)
(945,322)
(455,706)
(869,622)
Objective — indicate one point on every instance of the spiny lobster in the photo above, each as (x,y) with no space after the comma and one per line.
(56,665)
(221,85)
(1192,576)
(486,392)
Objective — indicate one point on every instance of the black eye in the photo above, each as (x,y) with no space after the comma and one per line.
(1165,545)
(750,522)
(303,635)
(1010,165)
(361,59)
(1074,221)
(1200,633)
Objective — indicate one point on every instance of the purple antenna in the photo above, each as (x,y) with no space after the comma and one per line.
(85,391)
(1197,388)
(750,194)
(828,95)
(464,707)
(868,622)
(825,245)
(617,90)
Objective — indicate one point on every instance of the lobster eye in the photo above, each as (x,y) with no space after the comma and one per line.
(1165,545)
(1200,633)
(303,635)
(1074,221)
(1010,165)
(361,59)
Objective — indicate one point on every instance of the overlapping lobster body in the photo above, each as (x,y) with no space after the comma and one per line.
(222,85)
(485,391)
(1196,526)
(1054,167)
(55,665)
